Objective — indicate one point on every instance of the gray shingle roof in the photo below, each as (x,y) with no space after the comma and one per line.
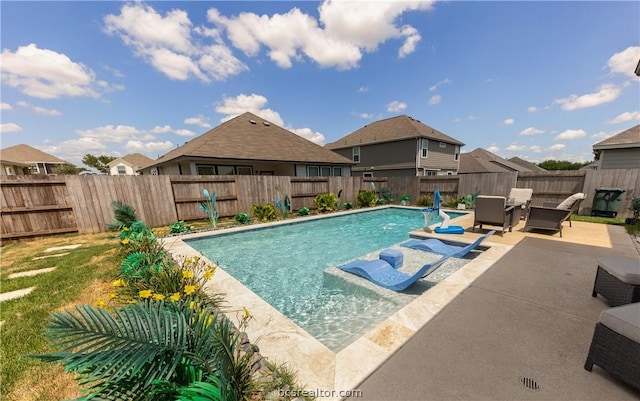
(26,154)
(135,159)
(482,161)
(626,139)
(391,129)
(526,164)
(249,137)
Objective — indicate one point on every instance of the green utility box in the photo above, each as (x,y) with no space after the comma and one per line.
(607,202)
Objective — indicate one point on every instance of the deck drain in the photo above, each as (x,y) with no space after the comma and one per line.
(529,383)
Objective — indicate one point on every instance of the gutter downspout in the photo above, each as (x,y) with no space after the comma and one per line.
(417,155)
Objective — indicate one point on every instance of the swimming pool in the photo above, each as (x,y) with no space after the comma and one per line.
(287,266)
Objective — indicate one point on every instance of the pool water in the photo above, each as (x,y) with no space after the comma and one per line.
(285,265)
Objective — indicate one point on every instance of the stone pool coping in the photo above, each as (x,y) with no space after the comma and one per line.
(318,368)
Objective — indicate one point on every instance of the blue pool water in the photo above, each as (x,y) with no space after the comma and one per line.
(285,265)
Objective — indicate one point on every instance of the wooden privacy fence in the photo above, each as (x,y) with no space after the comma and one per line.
(53,205)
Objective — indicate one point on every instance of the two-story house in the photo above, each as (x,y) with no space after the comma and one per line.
(619,151)
(399,146)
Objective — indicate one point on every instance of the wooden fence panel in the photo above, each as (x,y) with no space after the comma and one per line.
(551,186)
(492,184)
(188,193)
(305,189)
(626,179)
(447,185)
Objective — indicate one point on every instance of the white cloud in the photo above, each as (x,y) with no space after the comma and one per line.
(472,117)
(363,115)
(557,146)
(5,106)
(110,133)
(73,150)
(47,74)
(531,131)
(184,132)
(396,106)
(435,99)
(532,109)
(198,120)
(493,149)
(625,62)
(605,94)
(167,43)
(437,84)
(602,135)
(535,149)
(508,121)
(338,38)
(309,134)
(39,110)
(148,147)
(516,147)
(5,128)
(570,134)
(363,89)
(625,117)
(161,129)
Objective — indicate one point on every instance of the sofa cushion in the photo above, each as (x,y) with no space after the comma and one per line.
(624,320)
(567,203)
(626,270)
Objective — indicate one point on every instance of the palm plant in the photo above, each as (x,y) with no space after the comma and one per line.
(123,216)
(209,207)
(151,350)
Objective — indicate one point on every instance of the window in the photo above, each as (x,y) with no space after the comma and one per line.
(34,169)
(226,170)
(206,170)
(9,170)
(424,146)
(356,154)
(245,170)
(367,175)
(443,145)
(313,171)
(456,153)
(122,169)
(431,173)
(325,171)
(337,171)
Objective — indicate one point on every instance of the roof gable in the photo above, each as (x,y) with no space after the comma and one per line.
(482,161)
(391,129)
(26,154)
(626,139)
(134,159)
(249,137)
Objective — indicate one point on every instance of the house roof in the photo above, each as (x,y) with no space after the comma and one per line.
(249,137)
(626,139)
(391,129)
(526,164)
(482,161)
(136,160)
(26,154)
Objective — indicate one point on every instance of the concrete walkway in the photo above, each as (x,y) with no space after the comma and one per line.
(528,319)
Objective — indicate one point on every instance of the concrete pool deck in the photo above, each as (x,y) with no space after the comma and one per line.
(385,362)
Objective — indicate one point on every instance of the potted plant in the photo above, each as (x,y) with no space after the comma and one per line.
(635,208)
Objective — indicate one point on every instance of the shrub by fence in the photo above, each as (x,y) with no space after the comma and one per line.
(36,206)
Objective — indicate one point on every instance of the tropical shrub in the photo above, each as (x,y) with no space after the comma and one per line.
(209,207)
(425,201)
(243,218)
(179,228)
(152,350)
(264,213)
(123,216)
(635,207)
(325,202)
(387,195)
(303,211)
(137,237)
(366,198)
(348,205)
(405,200)
(285,205)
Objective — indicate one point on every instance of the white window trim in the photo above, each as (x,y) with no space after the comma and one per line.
(456,153)
(309,174)
(355,154)
(424,150)
(367,175)
(334,171)
(443,144)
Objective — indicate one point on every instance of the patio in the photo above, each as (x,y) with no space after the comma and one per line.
(526,322)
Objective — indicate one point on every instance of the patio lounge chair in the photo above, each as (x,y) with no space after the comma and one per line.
(492,210)
(551,218)
(383,274)
(437,246)
(615,346)
(522,196)
(572,202)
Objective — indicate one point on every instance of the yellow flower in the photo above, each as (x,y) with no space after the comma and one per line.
(118,283)
(145,293)
(158,297)
(209,320)
(175,296)
(192,305)
(189,289)
(100,304)
(125,241)
(111,295)
(187,274)
(247,314)
(208,273)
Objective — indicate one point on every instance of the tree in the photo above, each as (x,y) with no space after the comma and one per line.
(68,169)
(100,163)
(553,165)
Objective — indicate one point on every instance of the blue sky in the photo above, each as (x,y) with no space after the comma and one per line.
(538,80)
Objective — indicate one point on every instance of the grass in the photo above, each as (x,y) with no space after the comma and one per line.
(616,221)
(80,277)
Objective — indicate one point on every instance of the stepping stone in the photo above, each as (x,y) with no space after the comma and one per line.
(30,273)
(51,256)
(62,248)
(15,294)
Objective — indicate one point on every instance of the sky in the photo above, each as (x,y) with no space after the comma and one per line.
(538,80)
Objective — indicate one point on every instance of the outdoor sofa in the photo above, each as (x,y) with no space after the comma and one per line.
(551,218)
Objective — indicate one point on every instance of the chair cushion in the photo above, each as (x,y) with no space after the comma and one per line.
(392,256)
(521,195)
(624,320)
(626,270)
(567,203)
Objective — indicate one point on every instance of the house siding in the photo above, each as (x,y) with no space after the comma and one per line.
(620,158)
(386,153)
(440,158)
